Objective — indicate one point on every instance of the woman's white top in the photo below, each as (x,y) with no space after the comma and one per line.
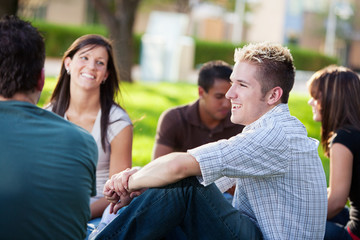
(118,120)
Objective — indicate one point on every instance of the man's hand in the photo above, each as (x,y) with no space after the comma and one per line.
(116,201)
(116,190)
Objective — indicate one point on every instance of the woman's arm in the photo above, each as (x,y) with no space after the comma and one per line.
(120,159)
(341,163)
(121,151)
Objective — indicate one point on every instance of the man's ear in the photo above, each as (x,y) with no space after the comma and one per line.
(41,81)
(201,91)
(274,95)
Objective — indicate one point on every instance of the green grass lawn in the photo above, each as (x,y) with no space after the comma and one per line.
(144,102)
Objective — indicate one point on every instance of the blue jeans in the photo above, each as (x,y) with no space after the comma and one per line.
(91,226)
(336,227)
(201,212)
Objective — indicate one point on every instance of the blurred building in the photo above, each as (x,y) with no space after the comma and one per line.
(57,11)
(301,22)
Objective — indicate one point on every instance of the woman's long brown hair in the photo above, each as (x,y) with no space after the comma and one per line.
(60,98)
(338,91)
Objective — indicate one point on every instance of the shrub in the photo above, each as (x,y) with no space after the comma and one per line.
(304,59)
(59,37)
(310,60)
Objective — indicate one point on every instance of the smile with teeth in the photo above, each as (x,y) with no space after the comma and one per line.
(236,106)
(87,75)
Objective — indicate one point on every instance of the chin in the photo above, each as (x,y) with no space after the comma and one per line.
(234,121)
(316,119)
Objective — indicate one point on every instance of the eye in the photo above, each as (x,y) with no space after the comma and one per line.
(219,97)
(100,63)
(83,58)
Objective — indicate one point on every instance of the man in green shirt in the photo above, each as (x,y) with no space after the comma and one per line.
(47,164)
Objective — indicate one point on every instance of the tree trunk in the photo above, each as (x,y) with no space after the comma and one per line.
(182,6)
(120,21)
(8,7)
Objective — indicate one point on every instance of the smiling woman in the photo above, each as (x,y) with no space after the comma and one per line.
(88,68)
(85,95)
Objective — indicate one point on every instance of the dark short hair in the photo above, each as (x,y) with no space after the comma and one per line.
(213,70)
(22,56)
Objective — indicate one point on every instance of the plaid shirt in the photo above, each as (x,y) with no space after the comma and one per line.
(280,181)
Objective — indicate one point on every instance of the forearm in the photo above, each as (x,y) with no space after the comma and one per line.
(165,170)
(335,205)
(97,208)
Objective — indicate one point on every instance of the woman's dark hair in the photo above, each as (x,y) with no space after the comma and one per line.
(337,89)
(60,98)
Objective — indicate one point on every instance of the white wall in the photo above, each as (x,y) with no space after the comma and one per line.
(267,21)
(67,12)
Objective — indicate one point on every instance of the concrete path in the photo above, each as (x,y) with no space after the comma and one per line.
(53,65)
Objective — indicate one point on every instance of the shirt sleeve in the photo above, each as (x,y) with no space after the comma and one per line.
(119,119)
(225,183)
(346,138)
(260,153)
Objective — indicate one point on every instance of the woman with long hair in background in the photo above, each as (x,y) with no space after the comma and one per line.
(85,94)
(335,101)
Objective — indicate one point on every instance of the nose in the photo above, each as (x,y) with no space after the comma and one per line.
(311,101)
(91,64)
(230,93)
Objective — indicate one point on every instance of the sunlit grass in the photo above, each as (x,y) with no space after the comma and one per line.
(145,101)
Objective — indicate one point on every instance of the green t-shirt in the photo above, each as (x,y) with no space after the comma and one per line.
(47,174)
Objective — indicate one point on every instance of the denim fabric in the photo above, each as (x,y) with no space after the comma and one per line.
(91,226)
(201,212)
(336,227)
(106,218)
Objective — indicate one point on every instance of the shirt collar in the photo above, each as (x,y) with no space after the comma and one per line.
(272,113)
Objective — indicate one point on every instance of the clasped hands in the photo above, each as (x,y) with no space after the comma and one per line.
(116,190)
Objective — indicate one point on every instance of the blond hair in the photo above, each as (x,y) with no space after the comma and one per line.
(275,65)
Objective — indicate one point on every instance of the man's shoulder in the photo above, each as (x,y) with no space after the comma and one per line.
(63,129)
(174,113)
(179,109)
(182,112)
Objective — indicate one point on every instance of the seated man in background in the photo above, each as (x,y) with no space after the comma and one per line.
(47,164)
(206,120)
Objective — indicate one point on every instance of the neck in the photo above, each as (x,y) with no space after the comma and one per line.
(83,101)
(207,120)
(22,97)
